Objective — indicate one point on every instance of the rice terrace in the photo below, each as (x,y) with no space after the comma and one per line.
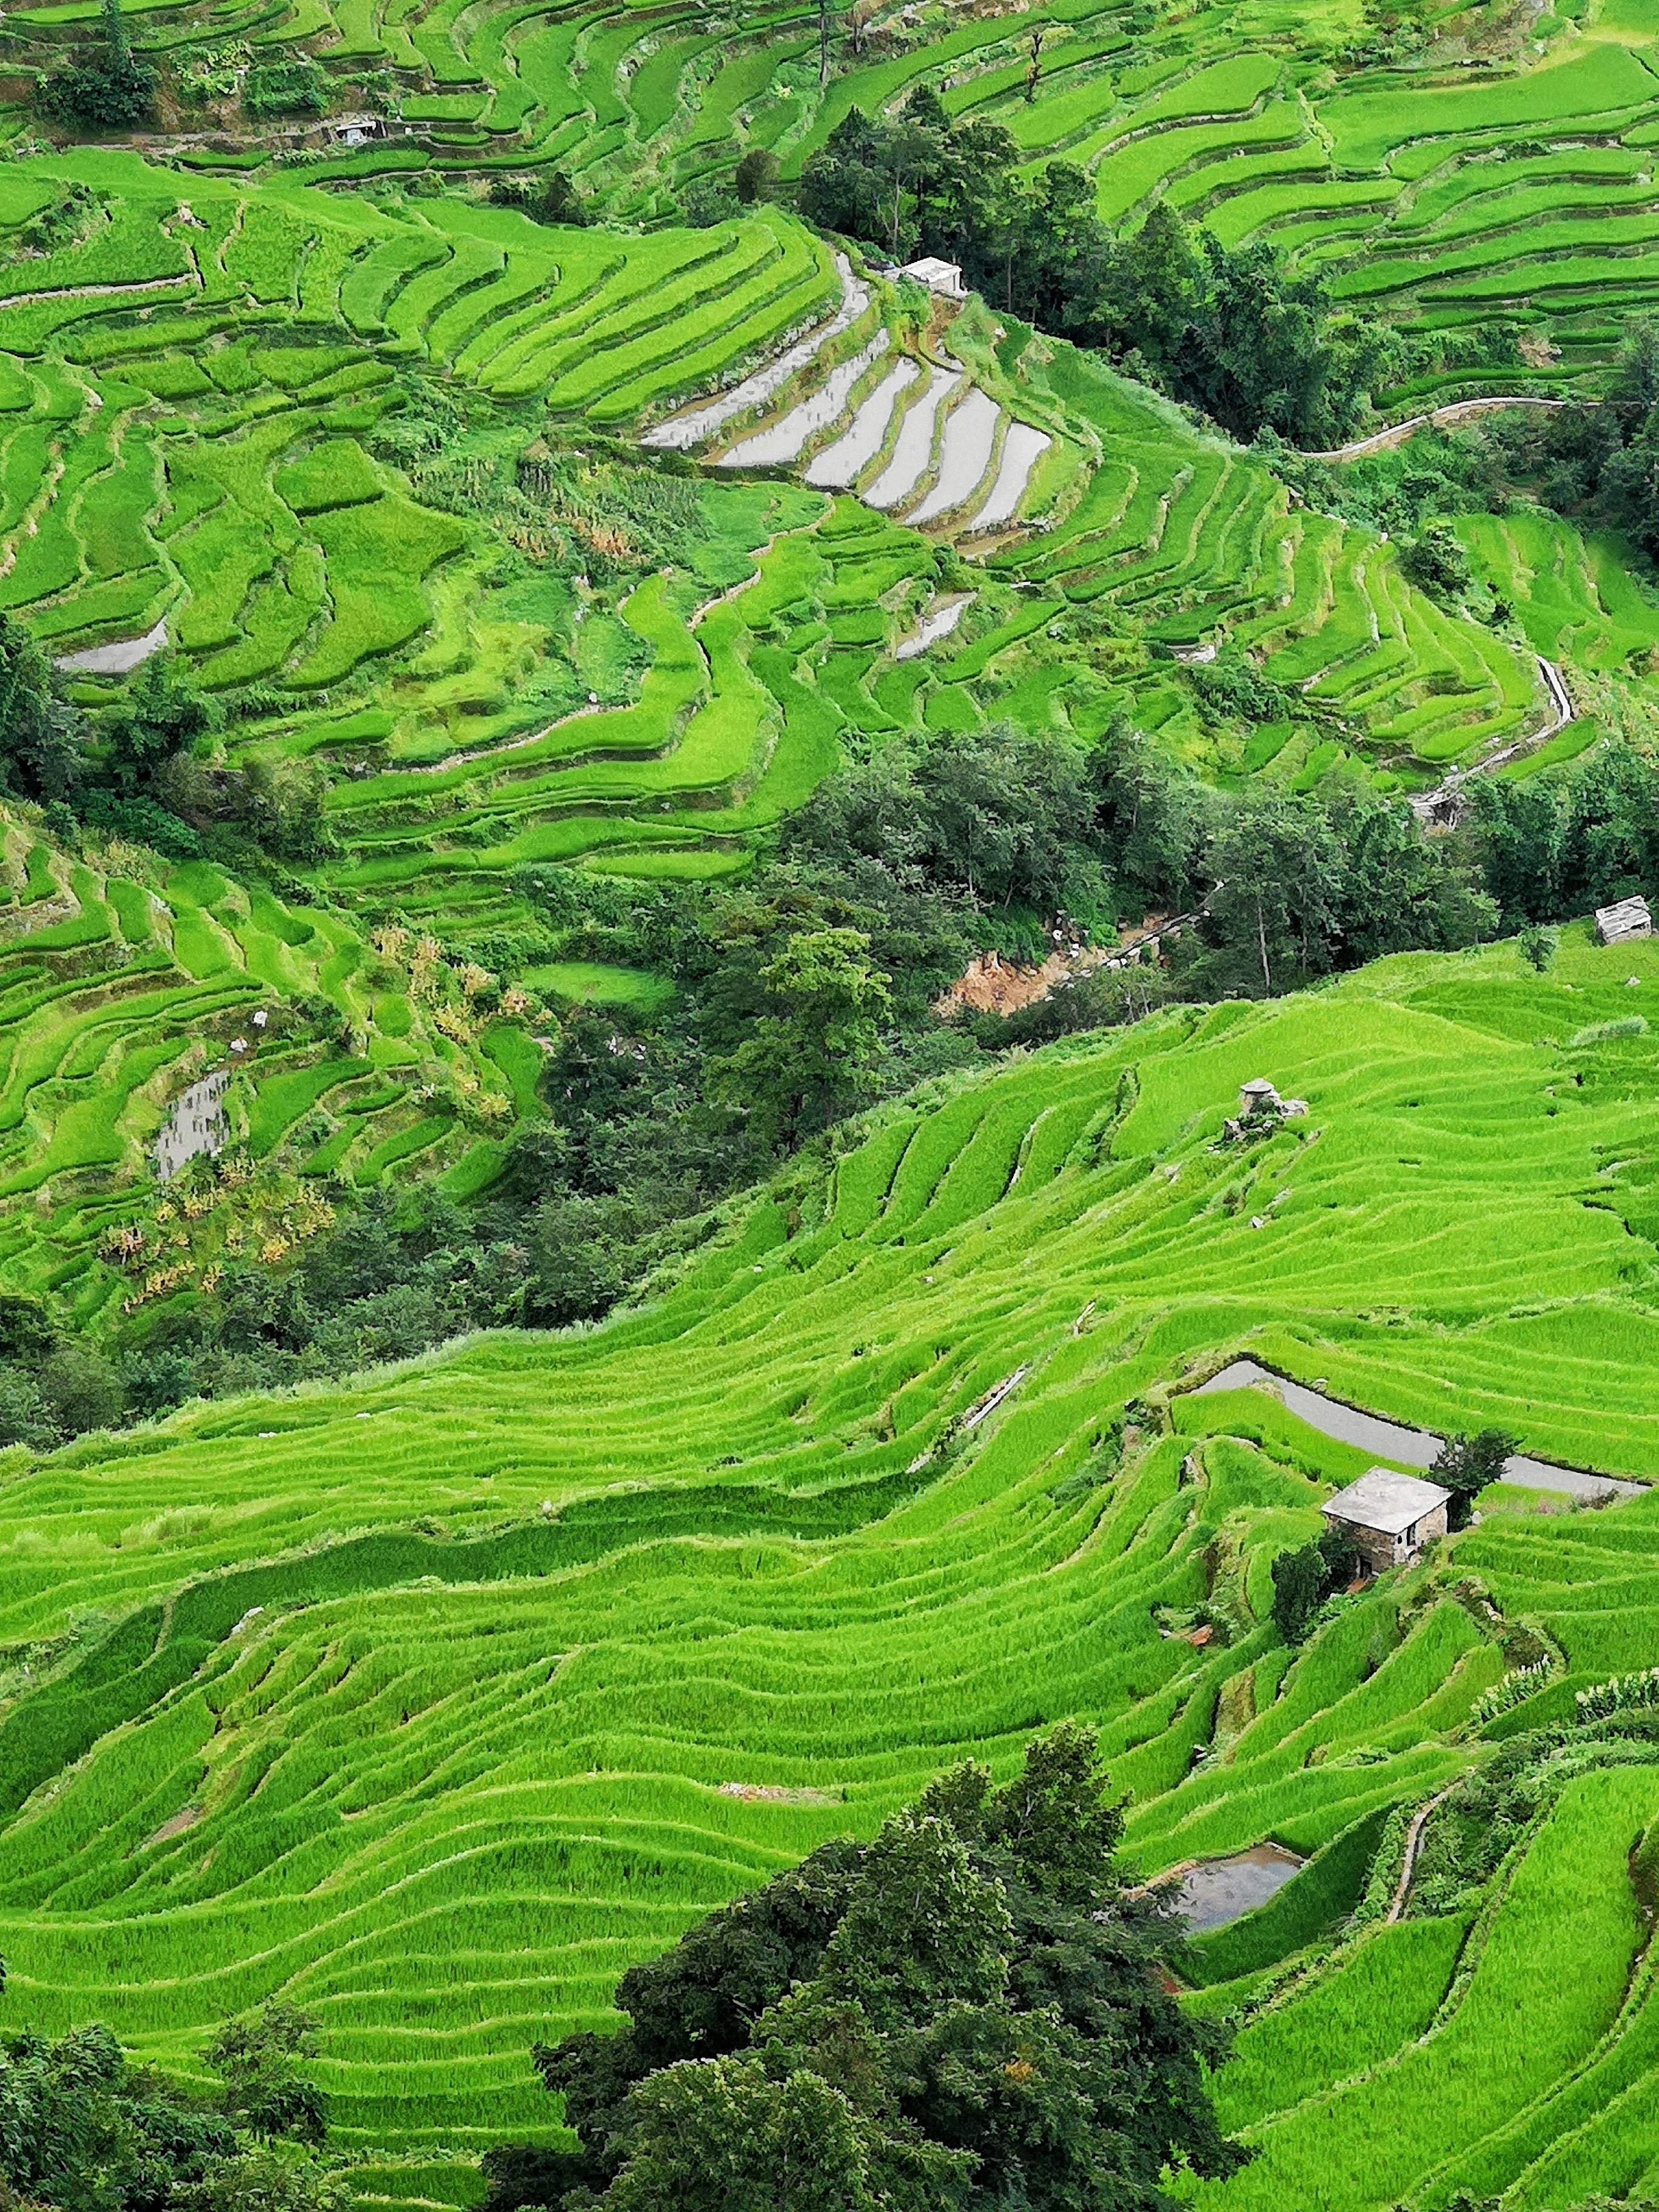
(829,1106)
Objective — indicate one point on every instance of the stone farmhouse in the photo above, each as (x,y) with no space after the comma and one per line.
(1388,1517)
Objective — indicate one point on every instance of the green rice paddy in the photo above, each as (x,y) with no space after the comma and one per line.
(433,1700)
(696,1590)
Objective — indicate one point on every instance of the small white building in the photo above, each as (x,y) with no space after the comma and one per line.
(944,277)
(1388,1516)
(1618,924)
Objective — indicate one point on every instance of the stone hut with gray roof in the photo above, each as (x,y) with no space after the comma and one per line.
(1388,1516)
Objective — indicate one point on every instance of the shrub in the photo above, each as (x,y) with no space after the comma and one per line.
(1436,560)
(108,93)
(1302,1580)
(287,87)
(1623,1694)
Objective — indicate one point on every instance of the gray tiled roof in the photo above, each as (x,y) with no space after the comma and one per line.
(1387,1502)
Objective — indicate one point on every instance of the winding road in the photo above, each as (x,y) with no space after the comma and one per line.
(1456,410)
(1406,1447)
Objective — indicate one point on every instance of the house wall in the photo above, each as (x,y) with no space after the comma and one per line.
(1375,1547)
(1380,1550)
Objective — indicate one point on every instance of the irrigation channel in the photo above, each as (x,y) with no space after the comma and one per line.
(1406,1447)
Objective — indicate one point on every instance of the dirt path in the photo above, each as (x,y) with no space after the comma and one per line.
(1456,410)
(1413,1845)
(1427,804)
(1407,1447)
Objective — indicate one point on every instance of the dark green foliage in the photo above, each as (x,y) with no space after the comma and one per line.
(1305,1578)
(1402,489)
(967,2011)
(1298,1591)
(755,177)
(1561,843)
(1231,688)
(549,196)
(82,2131)
(1465,1465)
(163,716)
(297,87)
(1601,461)
(1310,1904)
(1230,330)
(813,1054)
(267,2178)
(1310,885)
(1436,560)
(108,94)
(258,2059)
(80,1389)
(40,752)
(1338,1555)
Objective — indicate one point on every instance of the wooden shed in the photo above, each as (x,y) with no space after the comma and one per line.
(1388,1516)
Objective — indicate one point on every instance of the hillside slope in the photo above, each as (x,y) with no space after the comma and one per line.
(435,1700)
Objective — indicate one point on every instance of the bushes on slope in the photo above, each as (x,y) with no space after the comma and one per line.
(968,2008)
(83,2128)
(1230,329)
(108,94)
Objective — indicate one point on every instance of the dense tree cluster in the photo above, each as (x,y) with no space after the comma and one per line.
(1598,460)
(967,2011)
(1304,1577)
(1230,330)
(138,773)
(809,987)
(83,2129)
(1556,845)
(110,91)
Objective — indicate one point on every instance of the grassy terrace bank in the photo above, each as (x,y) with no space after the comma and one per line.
(449,1779)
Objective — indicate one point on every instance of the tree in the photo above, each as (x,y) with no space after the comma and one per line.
(1338,1556)
(1436,559)
(108,94)
(967,2011)
(1298,1591)
(163,716)
(264,2089)
(815,1052)
(1465,1465)
(1279,865)
(82,2131)
(79,1390)
(717,2134)
(268,2178)
(40,748)
(757,176)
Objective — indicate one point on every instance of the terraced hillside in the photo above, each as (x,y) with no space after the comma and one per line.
(1437,172)
(470,1682)
(524,573)
(344,1057)
(232,483)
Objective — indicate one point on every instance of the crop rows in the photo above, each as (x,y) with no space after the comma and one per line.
(705,1547)
(1521,191)
(117,989)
